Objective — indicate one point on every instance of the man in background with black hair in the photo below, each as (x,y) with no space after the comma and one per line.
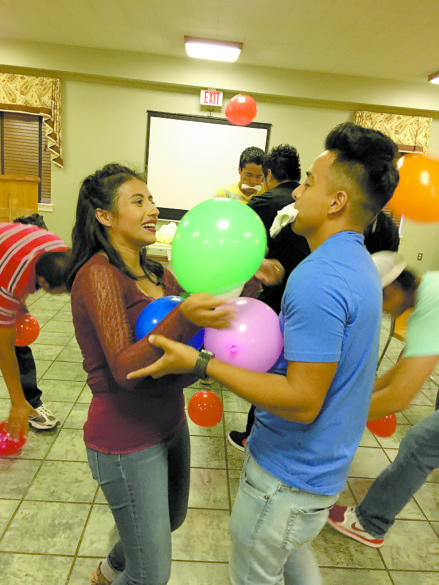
(281,168)
(42,418)
(30,258)
(251,176)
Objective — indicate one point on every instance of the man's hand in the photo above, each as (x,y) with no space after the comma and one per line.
(18,423)
(177,359)
(205,310)
(270,272)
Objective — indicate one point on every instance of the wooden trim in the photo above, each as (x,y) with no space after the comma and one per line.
(32,110)
(19,178)
(405,148)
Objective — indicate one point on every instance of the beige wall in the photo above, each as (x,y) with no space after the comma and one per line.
(104,123)
(106,96)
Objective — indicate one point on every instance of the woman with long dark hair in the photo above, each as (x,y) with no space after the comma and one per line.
(136,433)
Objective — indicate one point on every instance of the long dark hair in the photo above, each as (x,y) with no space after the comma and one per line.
(99,191)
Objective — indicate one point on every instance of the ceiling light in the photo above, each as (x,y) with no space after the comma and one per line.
(211,49)
(434,78)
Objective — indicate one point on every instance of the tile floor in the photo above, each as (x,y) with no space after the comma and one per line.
(55,525)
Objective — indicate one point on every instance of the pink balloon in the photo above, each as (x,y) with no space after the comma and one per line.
(253,341)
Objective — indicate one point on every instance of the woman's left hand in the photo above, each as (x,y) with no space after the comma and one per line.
(177,359)
(205,310)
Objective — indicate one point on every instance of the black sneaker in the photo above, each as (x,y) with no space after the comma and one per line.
(237,439)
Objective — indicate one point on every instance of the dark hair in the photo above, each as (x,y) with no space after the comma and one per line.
(368,157)
(407,281)
(283,162)
(99,191)
(252,154)
(34,219)
(52,266)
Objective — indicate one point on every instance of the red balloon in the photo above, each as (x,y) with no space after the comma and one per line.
(417,193)
(383,427)
(27,328)
(7,445)
(205,409)
(241,110)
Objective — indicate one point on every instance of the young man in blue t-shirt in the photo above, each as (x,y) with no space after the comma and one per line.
(312,407)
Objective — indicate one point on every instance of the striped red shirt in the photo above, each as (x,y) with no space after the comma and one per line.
(20,247)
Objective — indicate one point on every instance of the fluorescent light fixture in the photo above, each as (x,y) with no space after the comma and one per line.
(434,78)
(211,49)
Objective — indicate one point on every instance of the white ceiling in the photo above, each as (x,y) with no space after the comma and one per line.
(374,38)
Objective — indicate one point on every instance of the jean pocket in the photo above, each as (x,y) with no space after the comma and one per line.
(304,525)
(256,482)
(251,489)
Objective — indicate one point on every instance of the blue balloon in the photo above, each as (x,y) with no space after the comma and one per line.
(153,313)
(197,340)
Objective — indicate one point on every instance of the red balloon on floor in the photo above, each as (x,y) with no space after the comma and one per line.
(241,110)
(383,427)
(205,409)
(27,330)
(7,445)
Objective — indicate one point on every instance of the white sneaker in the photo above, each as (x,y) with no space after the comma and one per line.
(44,420)
(344,519)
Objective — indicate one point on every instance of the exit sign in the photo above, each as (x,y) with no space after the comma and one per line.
(210,97)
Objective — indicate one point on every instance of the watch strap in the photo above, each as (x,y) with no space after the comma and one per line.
(201,364)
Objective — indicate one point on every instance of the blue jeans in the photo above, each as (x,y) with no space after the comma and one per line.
(148,493)
(272,526)
(418,455)
(28,375)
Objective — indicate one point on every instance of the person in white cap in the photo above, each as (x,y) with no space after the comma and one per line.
(418,453)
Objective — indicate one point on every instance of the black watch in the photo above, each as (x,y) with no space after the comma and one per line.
(201,364)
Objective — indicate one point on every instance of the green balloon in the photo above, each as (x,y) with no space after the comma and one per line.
(218,246)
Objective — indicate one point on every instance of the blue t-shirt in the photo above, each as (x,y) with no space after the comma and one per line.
(331,312)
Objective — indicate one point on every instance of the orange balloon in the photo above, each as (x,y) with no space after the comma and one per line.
(383,427)
(205,409)
(417,194)
(27,328)
(241,109)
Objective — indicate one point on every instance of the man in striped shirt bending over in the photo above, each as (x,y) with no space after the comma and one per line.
(30,258)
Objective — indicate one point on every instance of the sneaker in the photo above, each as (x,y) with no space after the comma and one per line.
(98,578)
(344,519)
(45,419)
(237,439)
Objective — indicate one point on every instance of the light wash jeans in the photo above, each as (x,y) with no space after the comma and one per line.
(147,492)
(272,526)
(418,455)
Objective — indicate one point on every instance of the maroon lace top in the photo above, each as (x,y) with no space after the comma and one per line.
(125,415)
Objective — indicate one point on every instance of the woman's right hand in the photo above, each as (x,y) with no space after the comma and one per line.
(205,310)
